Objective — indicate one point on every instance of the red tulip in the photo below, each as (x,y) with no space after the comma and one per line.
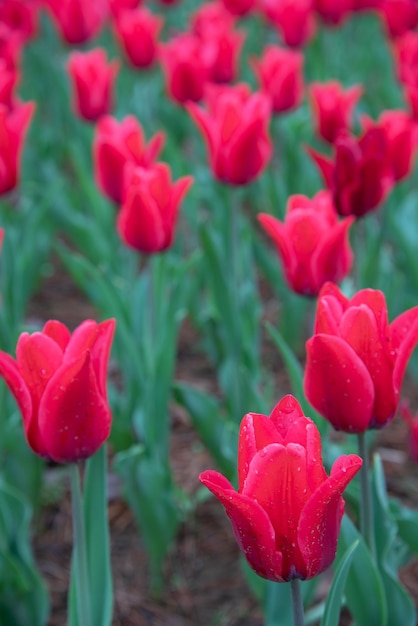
(59,383)
(138,31)
(235,127)
(13,127)
(401,135)
(19,17)
(210,17)
(187,66)
(78,21)
(9,78)
(239,7)
(406,54)
(356,360)
(222,46)
(115,145)
(293,19)
(92,78)
(280,74)
(287,512)
(147,219)
(332,107)
(360,175)
(333,12)
(399,16)
(119,6)
(312,243)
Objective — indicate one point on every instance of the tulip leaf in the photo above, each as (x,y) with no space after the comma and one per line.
(295,372)
(333,604)
(407,523)
(23,596)
(364,589)
(401,608)
(149,490)
(219,435)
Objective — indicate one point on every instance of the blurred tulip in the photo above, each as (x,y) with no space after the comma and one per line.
(239,7)
(399,16)
(332,107)
(293,19)
(9,78)
(19,17)
(116,144)
(222,46)
(356,360)
(11,46)
(92,79)
(280,74)
(287,512)
(312,243)
(59,383)
(360,175)
(13,127)
(78,21)
(137,31)
(210,17)
(402,135)
(187,67)
(333,12)
(119,6)
(235,126)
(148,216)
(406,55)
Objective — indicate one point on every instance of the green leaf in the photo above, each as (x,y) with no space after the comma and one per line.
(150,493)
(364,588)
(219,435)
(332,611)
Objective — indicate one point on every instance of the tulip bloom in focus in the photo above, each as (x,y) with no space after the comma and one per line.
(356,360)
(147,219)
(287,512)
(138,31)
(92,78)
(115,145)
(312,243)
(13,127)
(280,74)
(332,107)
(58,380)
(235,126)
(360,175)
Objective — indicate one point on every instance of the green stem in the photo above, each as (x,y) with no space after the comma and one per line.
(80,570)
(297,603)
(366,508)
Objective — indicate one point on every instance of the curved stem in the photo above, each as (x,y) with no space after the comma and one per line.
(366,508)
(80,569)
(297,603)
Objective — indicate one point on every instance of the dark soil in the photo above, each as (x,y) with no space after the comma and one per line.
(204,585)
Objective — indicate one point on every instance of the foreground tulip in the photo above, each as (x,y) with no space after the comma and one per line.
(92,78)
(235,127)
(13,127)
(280,73)
(147,219)
(313,244)
(59,383)
(332,107)
(115,145)
(287,512)
(360,176)
(356,360)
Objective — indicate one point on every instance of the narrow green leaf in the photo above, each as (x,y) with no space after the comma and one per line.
(332,611)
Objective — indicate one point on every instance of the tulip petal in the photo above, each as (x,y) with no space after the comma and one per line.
(277,231)
(320,520)
(74,418)
(338,384)
(404,337)
(256,432)
(333,257)
(359,328)
(325,166)
(10,373)
(278,481)
(252,528)
(58,332)
(286,414)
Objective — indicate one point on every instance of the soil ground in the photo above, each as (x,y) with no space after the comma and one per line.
(204,585)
